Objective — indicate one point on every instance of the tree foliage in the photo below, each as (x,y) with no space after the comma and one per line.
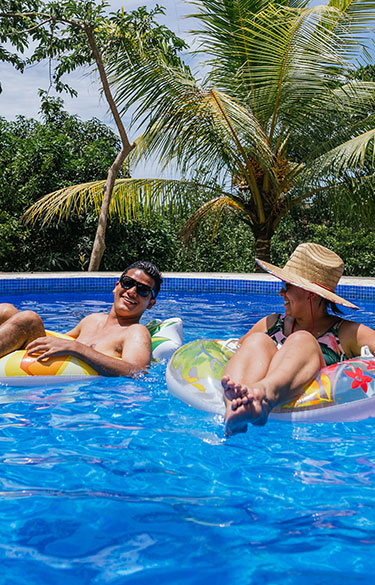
(73,33)
(36,157)
(279,117)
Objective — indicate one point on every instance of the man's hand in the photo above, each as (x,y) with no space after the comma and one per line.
(136,352)
(49,346)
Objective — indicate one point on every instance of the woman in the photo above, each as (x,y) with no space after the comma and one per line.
(281,354)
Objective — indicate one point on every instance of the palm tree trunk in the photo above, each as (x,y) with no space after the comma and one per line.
(262,244)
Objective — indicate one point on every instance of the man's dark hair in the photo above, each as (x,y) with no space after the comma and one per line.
(150,269)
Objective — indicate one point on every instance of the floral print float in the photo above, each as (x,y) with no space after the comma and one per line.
(344,391)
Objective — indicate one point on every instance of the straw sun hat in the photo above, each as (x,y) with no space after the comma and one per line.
(313,268)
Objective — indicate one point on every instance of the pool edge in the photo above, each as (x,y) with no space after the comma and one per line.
(355,288)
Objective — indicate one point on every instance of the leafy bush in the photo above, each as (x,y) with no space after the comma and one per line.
(40,157)
(355,245)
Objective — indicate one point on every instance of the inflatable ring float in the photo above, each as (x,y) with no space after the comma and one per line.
(341,392)
(20,368)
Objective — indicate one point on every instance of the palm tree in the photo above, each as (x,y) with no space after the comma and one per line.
(277,119)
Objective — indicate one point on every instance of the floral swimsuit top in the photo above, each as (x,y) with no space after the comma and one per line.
(329,342)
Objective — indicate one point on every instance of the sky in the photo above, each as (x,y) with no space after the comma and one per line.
(20,91)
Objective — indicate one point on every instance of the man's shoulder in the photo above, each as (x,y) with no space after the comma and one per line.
(94,317)
(137,328)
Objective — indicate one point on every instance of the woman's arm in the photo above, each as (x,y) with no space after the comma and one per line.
(261,326)
(354,335)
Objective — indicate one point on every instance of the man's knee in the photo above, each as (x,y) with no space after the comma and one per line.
(7,310)
(28,323)
(29,318)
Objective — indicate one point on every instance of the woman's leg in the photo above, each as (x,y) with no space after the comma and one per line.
(249,364)
(19,329)
(290,369)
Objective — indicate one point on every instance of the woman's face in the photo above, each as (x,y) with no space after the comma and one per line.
(296,300)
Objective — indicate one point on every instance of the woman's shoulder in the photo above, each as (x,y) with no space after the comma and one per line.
(274,318)
(346,326)
(269,321)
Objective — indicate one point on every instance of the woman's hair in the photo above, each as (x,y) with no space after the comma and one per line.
(332,306)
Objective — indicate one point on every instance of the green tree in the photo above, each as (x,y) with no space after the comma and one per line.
(74,33)
(35,157)
(277,120)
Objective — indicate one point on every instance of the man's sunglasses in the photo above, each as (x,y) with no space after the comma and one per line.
(142,289)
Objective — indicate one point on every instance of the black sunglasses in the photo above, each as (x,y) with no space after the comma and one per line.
(142,289)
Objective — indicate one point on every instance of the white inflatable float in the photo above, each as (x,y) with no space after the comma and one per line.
(340,393)
(19,368)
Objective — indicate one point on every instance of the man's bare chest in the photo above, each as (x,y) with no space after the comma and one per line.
(106,339)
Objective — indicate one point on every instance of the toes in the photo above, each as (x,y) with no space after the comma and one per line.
(230,394)
(258,394)
(242,390)
(224,381)
(236,402)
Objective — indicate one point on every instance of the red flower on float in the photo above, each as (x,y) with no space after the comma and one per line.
(359,379)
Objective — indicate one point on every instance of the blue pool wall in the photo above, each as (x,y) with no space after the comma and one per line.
(354,289)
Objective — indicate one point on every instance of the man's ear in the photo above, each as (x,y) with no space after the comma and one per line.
(116,285)
(151,304)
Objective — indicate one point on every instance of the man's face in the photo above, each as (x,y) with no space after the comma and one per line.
(128,301)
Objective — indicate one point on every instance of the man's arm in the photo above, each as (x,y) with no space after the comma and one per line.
(136,352)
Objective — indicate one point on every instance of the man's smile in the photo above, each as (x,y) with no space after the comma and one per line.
(128,300)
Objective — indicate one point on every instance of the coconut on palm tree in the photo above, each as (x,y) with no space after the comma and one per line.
(277,118)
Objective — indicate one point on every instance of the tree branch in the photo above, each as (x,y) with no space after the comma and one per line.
(103,77)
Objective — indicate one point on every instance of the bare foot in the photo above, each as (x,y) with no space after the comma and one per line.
(252,407)
(233,393)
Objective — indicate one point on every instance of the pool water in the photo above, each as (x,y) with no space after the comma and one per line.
(115,481)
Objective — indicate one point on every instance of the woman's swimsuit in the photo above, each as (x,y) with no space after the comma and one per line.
(329,342)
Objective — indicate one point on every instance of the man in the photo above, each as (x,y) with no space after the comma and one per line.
(99,339)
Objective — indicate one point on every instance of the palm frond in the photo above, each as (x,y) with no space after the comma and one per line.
(213,212)
(60,204)
(279,60)
(131,198)
(360,17)
(184,113)
(342,160)
(224,133)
